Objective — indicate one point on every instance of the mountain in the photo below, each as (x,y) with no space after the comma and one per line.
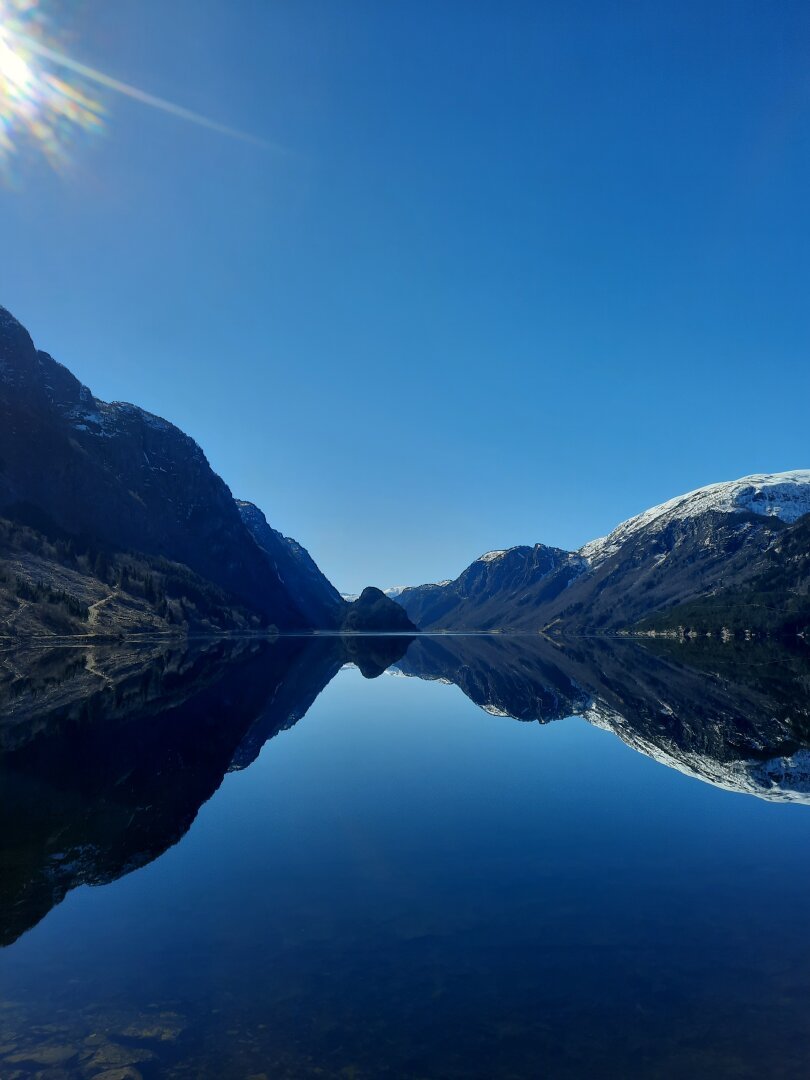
(498,585)
(113,521)
(374,612)
(774,599)
(707,541)
(311,591)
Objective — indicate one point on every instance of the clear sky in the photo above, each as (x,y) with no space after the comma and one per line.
(512,272)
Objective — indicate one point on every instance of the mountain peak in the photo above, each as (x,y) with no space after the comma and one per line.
(784,495)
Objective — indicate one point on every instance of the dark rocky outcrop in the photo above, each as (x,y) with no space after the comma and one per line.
(374,612)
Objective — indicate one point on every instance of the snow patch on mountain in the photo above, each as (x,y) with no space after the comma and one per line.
(491,556)
(783,495)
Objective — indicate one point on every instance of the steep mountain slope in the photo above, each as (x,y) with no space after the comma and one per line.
(56,587)
(774,599)
(785,496)
(699,543)
(119,476)
(311,591)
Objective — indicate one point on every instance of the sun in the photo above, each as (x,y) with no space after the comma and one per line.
(15,73)
(38,109)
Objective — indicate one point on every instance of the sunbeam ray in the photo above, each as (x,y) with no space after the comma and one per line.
(107,81)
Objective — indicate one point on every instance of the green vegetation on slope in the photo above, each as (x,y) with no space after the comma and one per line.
(53,584)
(774,602)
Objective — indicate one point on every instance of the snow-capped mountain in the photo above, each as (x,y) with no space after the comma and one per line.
(717,537)
(781,495)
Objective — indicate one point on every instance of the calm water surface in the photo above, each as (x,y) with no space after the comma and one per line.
(271,865)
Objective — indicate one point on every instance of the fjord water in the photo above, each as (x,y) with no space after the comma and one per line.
(272,863)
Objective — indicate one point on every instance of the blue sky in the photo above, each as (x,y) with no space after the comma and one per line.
(516,272)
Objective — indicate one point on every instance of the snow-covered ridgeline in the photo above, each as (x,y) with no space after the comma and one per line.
(783,495)
(397,590)
(491,556)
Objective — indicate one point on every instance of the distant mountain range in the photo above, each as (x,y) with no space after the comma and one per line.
(731,557)
(112,521)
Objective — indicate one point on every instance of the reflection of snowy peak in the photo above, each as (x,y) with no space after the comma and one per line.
(744,730)
(777,779)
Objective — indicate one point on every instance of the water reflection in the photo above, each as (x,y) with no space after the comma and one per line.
(107,753)
(425,909)
(734,715)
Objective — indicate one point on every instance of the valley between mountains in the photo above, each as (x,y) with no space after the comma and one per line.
(113,524)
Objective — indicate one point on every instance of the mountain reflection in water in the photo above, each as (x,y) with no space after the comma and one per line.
(108,753)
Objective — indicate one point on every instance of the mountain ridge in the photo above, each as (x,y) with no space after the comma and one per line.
(685,548)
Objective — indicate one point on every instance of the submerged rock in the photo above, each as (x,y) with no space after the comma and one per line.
(59,1054)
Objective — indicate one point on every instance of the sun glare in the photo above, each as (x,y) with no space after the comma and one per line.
(13,69)
(38,109)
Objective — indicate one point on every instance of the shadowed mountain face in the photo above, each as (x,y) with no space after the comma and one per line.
(373,612)
(112,522)
(312,592)
(121,476)
(107,754)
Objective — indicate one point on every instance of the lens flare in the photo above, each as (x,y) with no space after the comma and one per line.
(37,107)
(42,109)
